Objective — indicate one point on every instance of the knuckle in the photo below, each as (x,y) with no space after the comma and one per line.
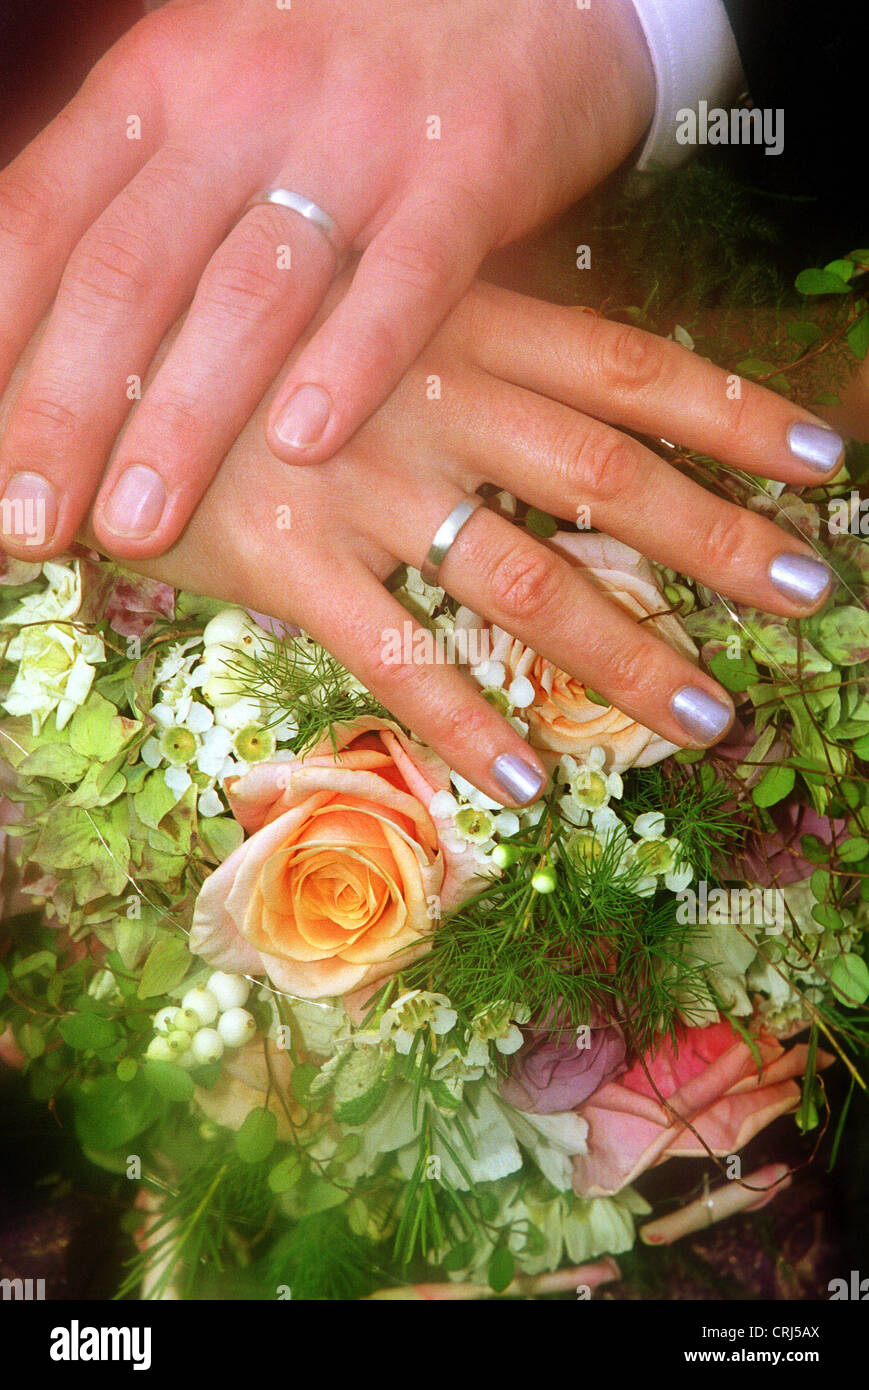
(627,358)
(726,540)
(526,582)
(109,271)
(418,264)
(28,209)
(243,284)
(603,465)
(175,421)
(633,665)
(460,723)
(45,412)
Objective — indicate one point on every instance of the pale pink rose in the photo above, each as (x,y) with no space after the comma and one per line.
(561,718)
(711,1082)
(344,874)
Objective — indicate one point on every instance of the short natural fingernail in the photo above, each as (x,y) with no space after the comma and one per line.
(820,448)
(136,502)
(28,510)
(304,418)
(700,714)
(800,578)
(520,780)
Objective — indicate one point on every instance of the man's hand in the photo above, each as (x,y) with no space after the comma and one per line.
(430,133)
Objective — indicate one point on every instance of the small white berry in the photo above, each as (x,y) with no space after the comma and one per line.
(202,1002)
(159,1050)
(186,1021)
(166,1019)
(178,1043)
(207,1045)
(230,991)
(236,1027)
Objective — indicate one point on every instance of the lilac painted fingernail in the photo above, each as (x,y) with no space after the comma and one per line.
(700,715)
(820,448)
(520,780)
(800,578)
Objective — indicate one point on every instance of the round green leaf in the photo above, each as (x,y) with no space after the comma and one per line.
(853,850)
(459,1257)
(169,1080)
(849,976)
(82,1031)
(821,282)
(285,1174)
(126,1068)
(501,1269)
(256,1138)
(774,786)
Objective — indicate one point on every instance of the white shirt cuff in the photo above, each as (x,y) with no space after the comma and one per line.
(695,58)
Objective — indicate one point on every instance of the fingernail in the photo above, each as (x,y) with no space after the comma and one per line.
(136,502)
(813,444)
(520,780)
(700,714)
(304,417)
(800,578)
(28,510)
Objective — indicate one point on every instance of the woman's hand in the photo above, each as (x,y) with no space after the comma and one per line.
(431,133)
(511,392)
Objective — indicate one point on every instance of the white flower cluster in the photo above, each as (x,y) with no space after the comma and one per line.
(211,1017)
(57,659)
(205,724)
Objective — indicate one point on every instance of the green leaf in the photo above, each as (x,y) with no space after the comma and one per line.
(501,1269)
(286,1174)
(734,673)
(820,884)
(806,334)
(843,635)
(38,960)
(828,916)
(169,1080)
(31,1040)
(56,761)
(849,977)
(4,980)
(774,786)
(220,835)
(167,964)
(109,1113)
(459,1257)
(821,282)
(98,731)
(83,1031)
(154,800)
(853,850)
(844,269)
(861,748)
(256,1138)
(596,699)
(540,523)
(126,1068)
(300,1083)
(858,336)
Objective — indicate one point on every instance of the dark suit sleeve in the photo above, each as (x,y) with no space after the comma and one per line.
(811,61)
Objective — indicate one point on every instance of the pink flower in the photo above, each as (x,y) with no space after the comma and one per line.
(345,872)
(710,1083)
(552,1071)
(135,604)
(777,858)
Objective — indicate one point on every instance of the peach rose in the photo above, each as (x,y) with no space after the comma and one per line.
(710,1081)
(345,871)
(561,718)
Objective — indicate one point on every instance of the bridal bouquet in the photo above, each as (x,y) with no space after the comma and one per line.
(353,1029)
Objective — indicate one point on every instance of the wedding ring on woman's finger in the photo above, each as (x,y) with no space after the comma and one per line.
(445,535)
(312,212)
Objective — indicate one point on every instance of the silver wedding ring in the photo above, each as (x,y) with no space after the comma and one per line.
(445,535)
(312,212)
